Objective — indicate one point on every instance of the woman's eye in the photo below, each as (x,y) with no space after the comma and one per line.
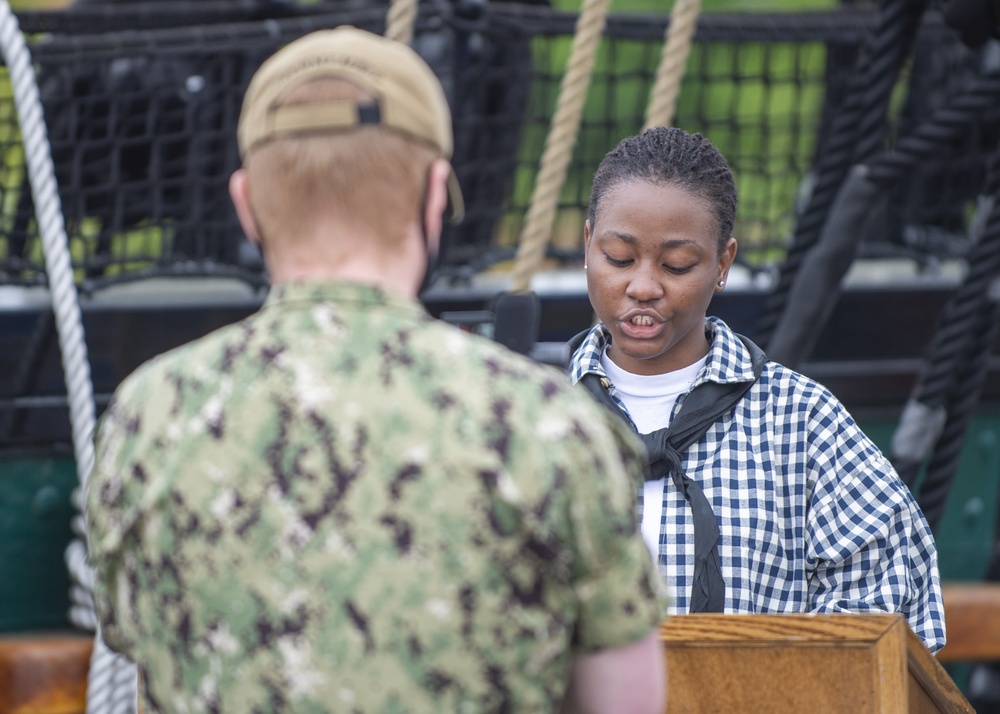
(618,263)
(678,269)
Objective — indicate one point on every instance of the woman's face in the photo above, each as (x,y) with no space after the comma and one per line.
(652,268)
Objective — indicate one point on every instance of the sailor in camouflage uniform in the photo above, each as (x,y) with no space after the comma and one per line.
(340,503)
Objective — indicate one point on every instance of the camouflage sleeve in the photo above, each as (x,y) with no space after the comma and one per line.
(108,514)
(620,593)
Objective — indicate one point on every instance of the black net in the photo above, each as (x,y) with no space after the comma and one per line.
(141,113)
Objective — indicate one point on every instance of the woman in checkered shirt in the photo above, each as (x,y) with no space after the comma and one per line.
(809,515)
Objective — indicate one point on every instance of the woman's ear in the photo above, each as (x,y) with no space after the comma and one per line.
(239,193)
(726,259)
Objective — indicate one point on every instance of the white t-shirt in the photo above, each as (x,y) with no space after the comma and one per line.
(650,402)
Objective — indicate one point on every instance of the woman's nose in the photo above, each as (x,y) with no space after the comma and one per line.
(644,286)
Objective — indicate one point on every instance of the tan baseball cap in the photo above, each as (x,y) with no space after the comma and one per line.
(408,95)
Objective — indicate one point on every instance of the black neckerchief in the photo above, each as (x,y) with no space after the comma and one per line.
(702,407)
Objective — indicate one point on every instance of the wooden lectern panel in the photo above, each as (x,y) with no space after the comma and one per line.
(44,673)
(802,663)
(972,619)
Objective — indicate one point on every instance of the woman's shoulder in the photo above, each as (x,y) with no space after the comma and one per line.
(775,377)
(799,396)
(783,388)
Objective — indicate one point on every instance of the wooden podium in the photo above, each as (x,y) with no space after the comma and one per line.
(836,664)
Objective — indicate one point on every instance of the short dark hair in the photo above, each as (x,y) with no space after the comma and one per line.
(671,156)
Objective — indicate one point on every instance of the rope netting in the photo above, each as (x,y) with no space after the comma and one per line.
(141,125)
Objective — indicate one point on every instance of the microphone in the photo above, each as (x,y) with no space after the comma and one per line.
(515,320)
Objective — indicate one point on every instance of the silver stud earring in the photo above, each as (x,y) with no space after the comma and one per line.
(722,283)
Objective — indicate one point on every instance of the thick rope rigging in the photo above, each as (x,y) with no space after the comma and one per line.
(943,466)
(400,20)
(947,391)
(856,135)
(670,71)
(559,143)
(945,124)
(813,295)
(112,681)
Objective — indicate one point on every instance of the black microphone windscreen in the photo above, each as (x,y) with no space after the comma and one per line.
(515,322)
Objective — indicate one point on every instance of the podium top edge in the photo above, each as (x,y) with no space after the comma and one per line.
(841,628)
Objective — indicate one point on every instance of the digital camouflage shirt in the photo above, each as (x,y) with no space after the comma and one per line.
(342,504)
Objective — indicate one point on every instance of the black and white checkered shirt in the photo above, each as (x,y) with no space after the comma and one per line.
(813,517)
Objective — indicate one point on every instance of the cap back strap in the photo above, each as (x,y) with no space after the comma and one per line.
(322,115)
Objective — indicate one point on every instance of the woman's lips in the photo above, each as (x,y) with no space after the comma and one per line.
(641,327)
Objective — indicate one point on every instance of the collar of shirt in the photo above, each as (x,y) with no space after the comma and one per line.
(728,360)
(312,292)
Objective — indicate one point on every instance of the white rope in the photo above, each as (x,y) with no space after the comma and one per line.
(112,682)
